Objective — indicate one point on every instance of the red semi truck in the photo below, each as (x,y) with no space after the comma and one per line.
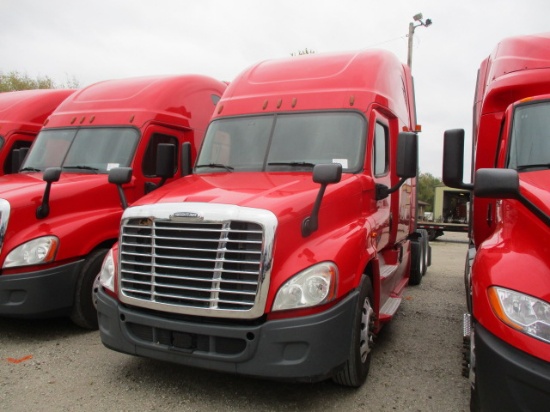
(507,277)
(60,215)
(22,114)
(291,244)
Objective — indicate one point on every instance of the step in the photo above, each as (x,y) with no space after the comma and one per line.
(390,307)
(387,270)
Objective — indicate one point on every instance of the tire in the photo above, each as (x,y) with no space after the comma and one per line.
(474,401)
(357,366)
(84,312)
(426,251)
(417,262)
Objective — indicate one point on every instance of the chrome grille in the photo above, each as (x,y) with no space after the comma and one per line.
(187,264)
(5,210)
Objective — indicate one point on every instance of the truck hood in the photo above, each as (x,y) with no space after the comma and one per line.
(29,187)
(281,193)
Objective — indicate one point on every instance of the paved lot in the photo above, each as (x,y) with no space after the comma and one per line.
(51,365)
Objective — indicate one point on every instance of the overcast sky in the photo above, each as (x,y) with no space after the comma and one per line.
(90,41)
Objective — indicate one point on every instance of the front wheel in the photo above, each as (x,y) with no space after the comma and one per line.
(84,312)
(357,366)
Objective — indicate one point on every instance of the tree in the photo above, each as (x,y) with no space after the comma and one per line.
(16,81)
(426,189)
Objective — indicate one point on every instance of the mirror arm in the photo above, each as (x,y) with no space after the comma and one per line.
(383,191)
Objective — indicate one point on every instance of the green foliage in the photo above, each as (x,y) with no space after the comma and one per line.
(14,81)
(426,189)
(302,52)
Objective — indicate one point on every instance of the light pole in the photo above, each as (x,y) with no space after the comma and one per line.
(412,26)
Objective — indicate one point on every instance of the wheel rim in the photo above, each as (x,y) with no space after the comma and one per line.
(366,335)
(95,290)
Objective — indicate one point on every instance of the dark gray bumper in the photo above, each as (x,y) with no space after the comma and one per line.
(309,348)
(509,379)
(39,294)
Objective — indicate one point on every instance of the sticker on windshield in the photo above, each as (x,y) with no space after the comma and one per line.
(112,166)
(343,162)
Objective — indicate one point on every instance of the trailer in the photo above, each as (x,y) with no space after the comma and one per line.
(451,211)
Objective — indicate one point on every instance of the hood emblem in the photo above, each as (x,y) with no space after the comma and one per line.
(188,216)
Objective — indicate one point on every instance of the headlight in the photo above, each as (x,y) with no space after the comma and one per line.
(107,273)
(34,252)
(314,286)
(522,312)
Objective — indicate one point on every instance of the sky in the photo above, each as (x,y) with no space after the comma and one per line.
(91,41)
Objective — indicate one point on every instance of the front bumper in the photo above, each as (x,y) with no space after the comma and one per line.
(40,294)
(310,348)
(509,379)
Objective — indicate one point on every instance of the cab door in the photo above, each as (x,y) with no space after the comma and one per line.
(145,162)
(381,172)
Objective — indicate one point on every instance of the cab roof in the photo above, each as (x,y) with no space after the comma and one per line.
(30,106)
(350,80)
(136,100)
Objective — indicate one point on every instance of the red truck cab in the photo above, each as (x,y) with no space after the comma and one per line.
(22,114)
(291,244)
(507,277)
(60,214)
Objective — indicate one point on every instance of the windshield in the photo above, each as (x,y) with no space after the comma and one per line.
(284,142)
(94,150)
(530,137)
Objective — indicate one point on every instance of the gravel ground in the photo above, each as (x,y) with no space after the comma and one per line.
(51,365)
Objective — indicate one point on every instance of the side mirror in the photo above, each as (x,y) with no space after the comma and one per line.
(120,176)
(186,166)
(407,155)
(497,183)
(323,174)
(327,173)
(18,157)
(407,163)
(50,175)
(453,159)
(166,161)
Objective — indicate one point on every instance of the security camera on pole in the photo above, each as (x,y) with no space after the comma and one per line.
(412,26)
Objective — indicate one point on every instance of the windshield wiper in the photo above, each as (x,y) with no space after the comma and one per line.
(217,165)
(30,169)
(533,166)
(293,164)
(82,168)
